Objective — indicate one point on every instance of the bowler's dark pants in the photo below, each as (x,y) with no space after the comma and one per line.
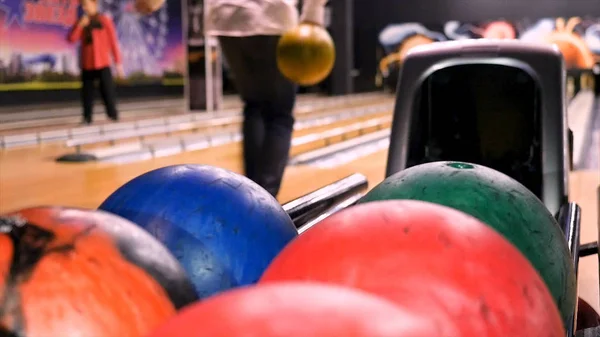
(107,91)
(269,100)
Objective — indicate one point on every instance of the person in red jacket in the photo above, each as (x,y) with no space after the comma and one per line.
(99,42)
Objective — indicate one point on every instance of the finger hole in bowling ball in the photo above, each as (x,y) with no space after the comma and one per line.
(587,317)
(462,166)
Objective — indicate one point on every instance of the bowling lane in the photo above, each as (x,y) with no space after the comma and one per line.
(308,114)
(87,184)
(583,186)
(308,110)
(25,119)
(591,155)
(44,123)
(69,117)
(26,161)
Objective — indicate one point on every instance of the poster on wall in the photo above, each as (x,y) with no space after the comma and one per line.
(35,53)
(577,38)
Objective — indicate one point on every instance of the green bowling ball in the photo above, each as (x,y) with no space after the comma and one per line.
(502,203)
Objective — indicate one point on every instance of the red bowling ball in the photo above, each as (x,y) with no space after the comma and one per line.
(437,262)
(293,309)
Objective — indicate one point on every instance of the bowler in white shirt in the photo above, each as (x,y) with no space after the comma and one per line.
(248,32)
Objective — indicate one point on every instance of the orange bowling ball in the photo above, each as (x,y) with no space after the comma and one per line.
(432,260)
(293,309)
(306,54)
(71,272)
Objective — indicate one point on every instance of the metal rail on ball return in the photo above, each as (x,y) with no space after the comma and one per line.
(569,219)
(326,200)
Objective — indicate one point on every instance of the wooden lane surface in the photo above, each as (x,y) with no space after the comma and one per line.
(236,126)
(308,112)
(38,181)
(583,189)
(30,176)
(15,157)
(20,162)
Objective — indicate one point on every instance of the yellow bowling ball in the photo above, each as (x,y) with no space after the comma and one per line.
(306,54)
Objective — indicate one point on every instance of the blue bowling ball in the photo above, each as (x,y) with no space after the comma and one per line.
(222,227)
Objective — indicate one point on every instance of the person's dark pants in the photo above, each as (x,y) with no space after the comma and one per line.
(107,91)
(269,100)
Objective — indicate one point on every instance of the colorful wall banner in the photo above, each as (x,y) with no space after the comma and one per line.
(35,54)
(577,38)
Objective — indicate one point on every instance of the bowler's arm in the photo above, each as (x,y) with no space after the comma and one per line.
(313,11)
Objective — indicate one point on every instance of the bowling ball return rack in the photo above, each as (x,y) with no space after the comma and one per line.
(546,68)
(311,208)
